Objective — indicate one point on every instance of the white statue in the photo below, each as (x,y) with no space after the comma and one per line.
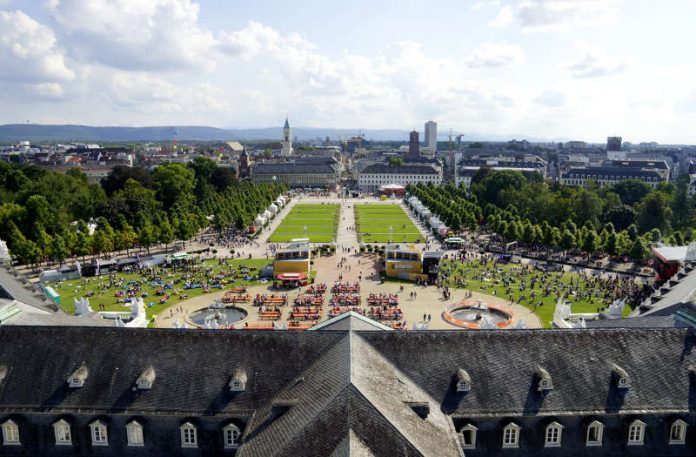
(616,309)
(82,307)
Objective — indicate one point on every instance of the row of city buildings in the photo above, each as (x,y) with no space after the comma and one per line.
(368,169)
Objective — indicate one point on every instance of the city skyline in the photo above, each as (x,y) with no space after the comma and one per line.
(575,69)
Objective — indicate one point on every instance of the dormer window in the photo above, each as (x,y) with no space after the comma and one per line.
(239,380)
(78,378)
(231,434)
(468,434)
(595,431)
(135,434)
(511,435)
(623,381)
(677,432)
(544,380)
(99,435)
(10,433)
(636,433)
(553,435)
(463,381)
(146,379)
(61,430)
(189,435)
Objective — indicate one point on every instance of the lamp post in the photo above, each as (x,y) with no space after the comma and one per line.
(391,233)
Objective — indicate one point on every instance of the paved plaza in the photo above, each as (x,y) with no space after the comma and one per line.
(347,265)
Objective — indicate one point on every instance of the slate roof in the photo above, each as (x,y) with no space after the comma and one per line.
(669,321)
(16,290)
(338,392)
(350,321)
(612,171)
(383,168)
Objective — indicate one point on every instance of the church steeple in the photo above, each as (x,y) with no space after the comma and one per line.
(286,148)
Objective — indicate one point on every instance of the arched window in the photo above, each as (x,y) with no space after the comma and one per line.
(135,434)
(99,435)
(594,434)
(511,435)
(61,430)
(553,435)
(469,436)
(189,435)
(636,433)
(677,432)
(10,433)
(231,434)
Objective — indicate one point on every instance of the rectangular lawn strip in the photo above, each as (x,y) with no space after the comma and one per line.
(68,290)
(470,270)
(396,238)
(321,222)
(373,221)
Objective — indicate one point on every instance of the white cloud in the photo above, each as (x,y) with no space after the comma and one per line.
(551,98)
(28,51)
(540,15)
(495,55)
(149,35)
(594,61)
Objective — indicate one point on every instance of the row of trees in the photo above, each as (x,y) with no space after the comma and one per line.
(47,215)
(623,219)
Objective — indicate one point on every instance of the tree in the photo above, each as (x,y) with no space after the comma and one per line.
(58,251)
(631,191)
(395,161)
(147,236)
(102,242)
(591,242)
(173,183)
(639,251)
(567,240)
(117,177)
(653,212)
(166,233)
(682,208)
(611,244)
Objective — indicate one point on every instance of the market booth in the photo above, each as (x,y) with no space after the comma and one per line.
(392,189)
(292,280)
(668,260)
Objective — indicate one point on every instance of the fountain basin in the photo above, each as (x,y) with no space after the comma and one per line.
(225,315)
(474,314)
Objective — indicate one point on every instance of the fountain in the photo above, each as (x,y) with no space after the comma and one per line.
(213,317)
(477,315)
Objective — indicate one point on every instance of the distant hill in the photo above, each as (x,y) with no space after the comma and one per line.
(40,132)
(68,133)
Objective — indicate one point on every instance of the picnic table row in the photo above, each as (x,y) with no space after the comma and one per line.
(343,287)
(346,299)
(383,299)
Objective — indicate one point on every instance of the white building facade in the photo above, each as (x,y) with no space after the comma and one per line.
(375,176)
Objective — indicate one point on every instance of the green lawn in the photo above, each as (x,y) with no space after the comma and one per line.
(321,222)
(101,293)
(372,222)
(479,278)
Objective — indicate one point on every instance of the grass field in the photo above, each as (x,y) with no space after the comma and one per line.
(321,222)
(372,222)
(99,292)
(472,273)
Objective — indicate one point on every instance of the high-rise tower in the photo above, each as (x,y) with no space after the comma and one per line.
(431,136)
(286,148)
(413,145)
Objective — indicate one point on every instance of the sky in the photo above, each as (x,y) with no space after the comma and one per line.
(571,69)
